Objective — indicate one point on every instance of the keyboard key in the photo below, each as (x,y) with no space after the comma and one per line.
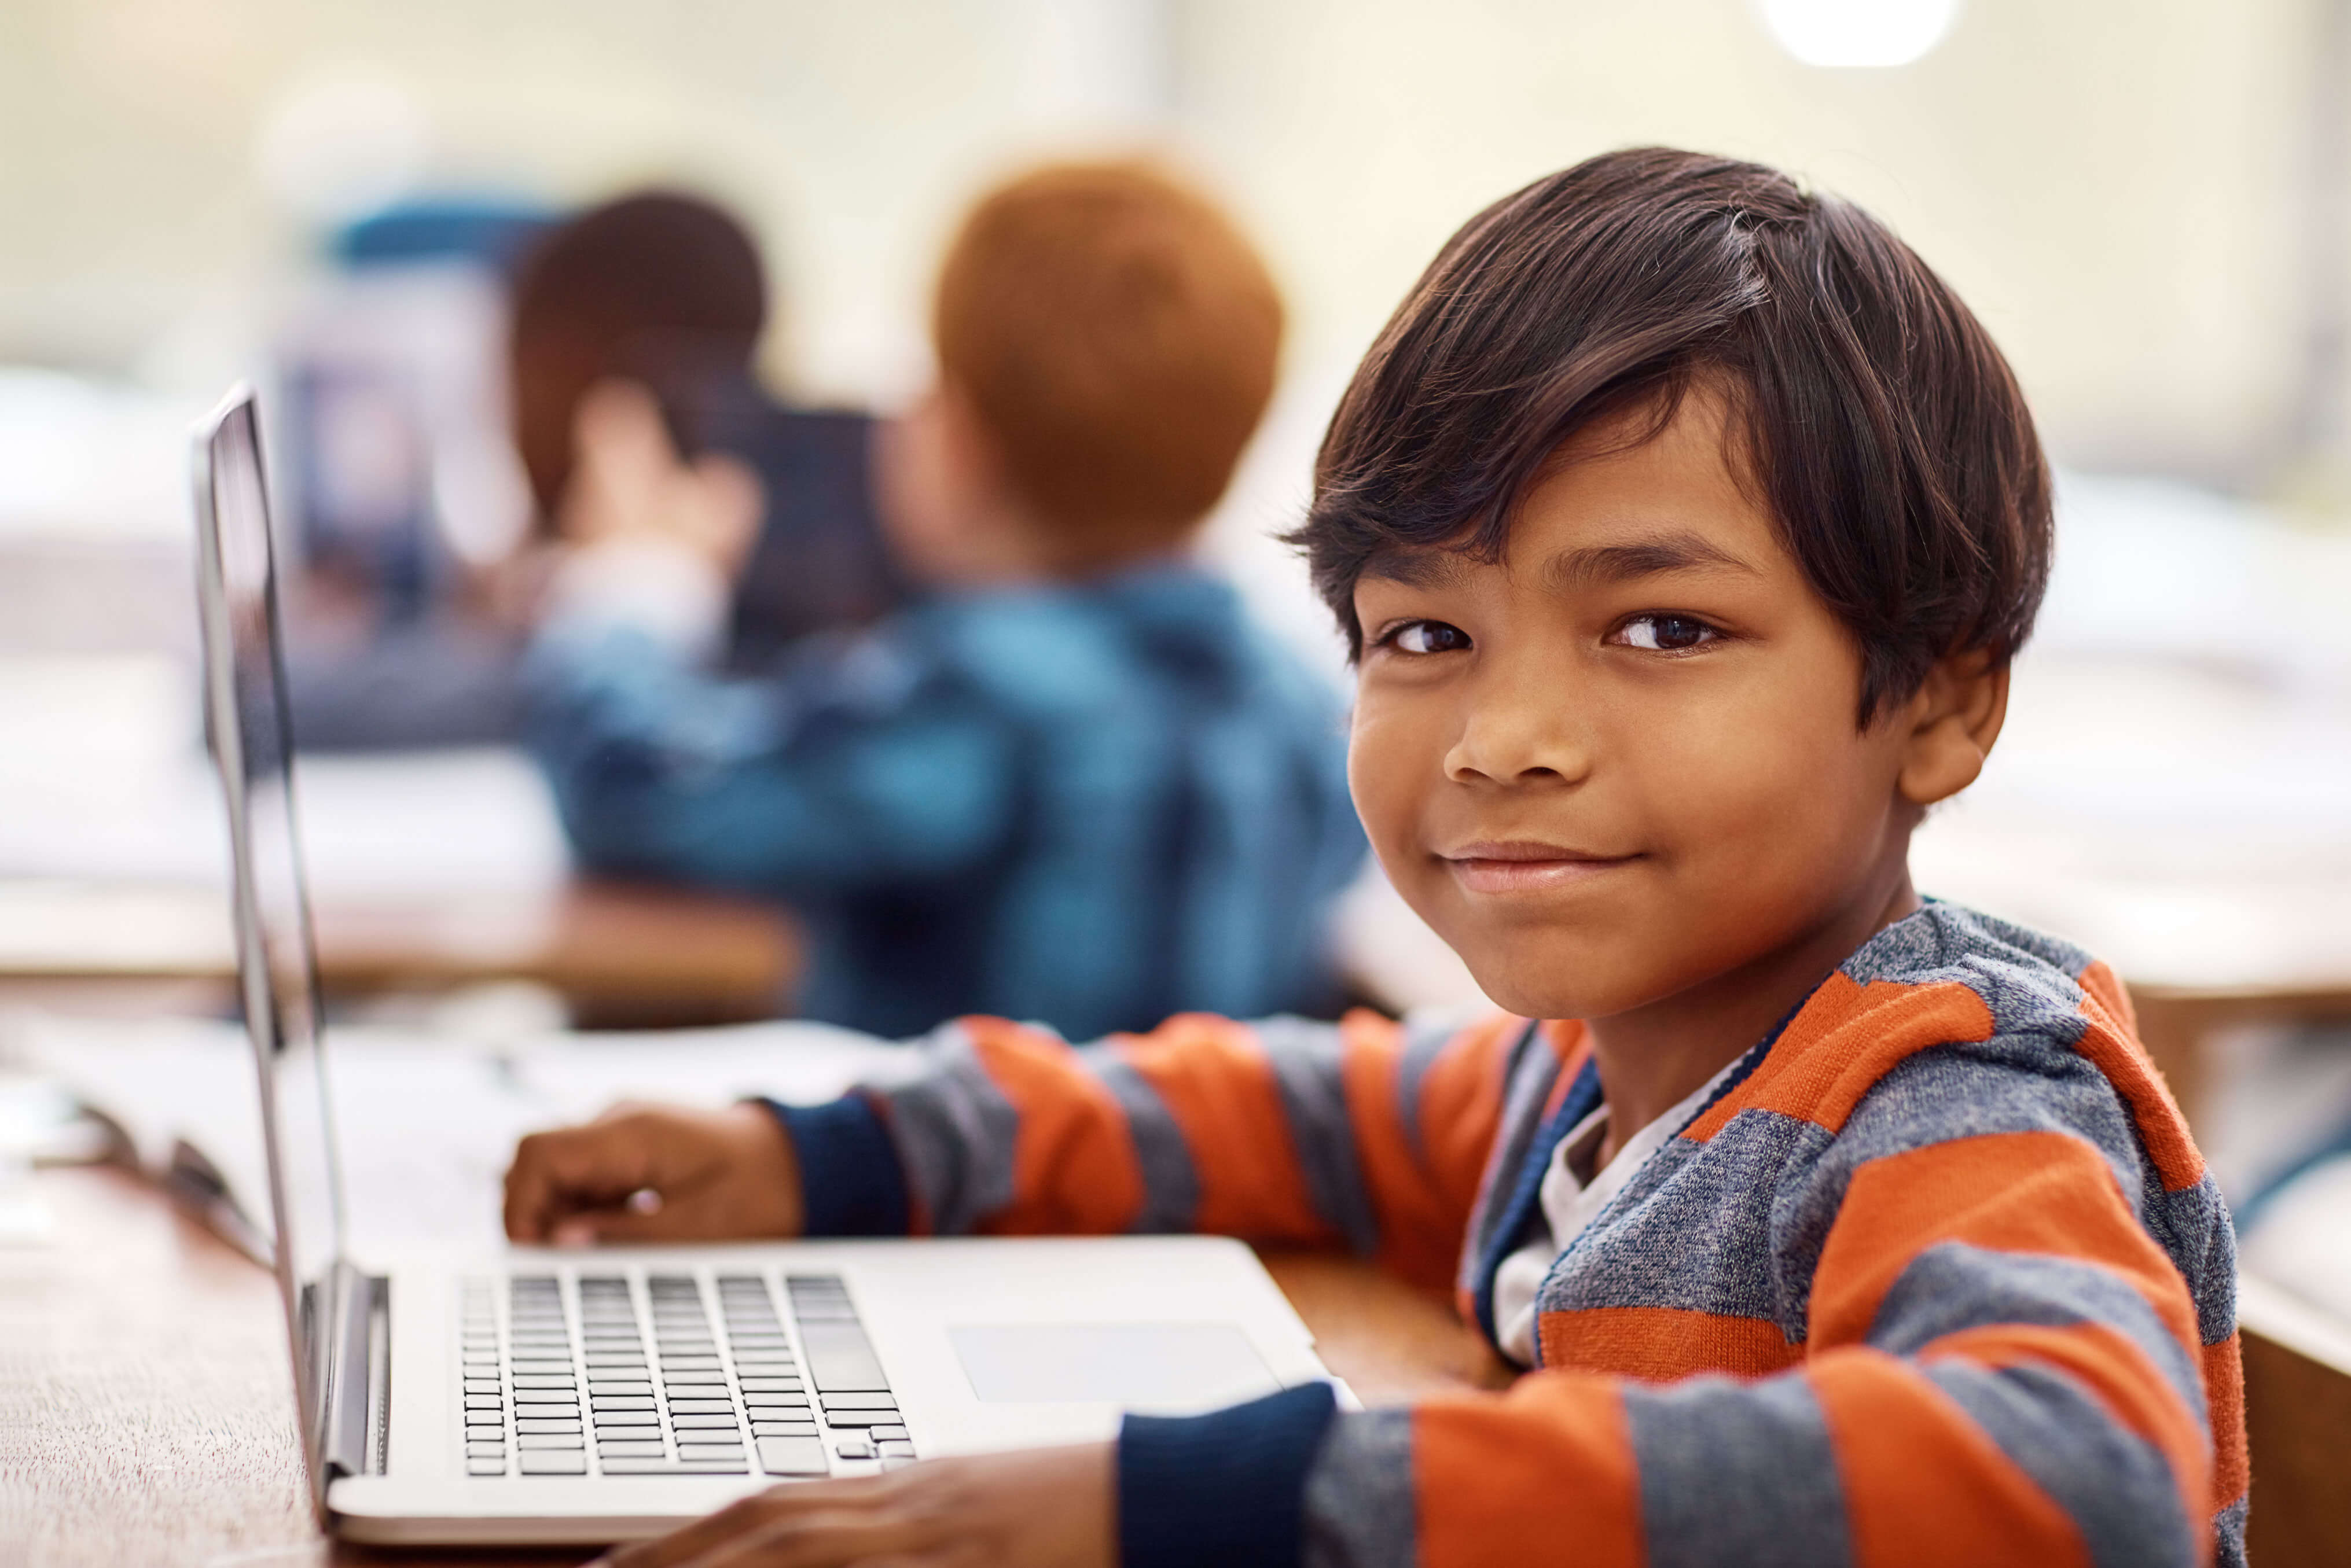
(601,1386)
(604,1401)
(490,1418)
(631,1421)
(701,1407)
(486,1466)
(782,1428)
(895,1451)
(574,1463)
(840,1358)
(525,1424)
(486,1451)
(646,1467)
(701,1377)
(754,1384)
(484,1402)
(533,1441)
(862,1418)
(734,1467)
(543,1380)
(690,1451)
(607,1452)
(887,1434)
(852,1448)
(792,1456)
(546,1395)
(881,1400)
(481,1385)
(702,1423)
(795,1403)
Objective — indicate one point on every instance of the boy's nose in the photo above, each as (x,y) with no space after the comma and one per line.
(1519,727)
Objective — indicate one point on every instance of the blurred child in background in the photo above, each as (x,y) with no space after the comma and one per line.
(667,291)
(1075,785)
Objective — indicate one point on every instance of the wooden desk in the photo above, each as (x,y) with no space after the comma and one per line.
(622,954)
(146,1416)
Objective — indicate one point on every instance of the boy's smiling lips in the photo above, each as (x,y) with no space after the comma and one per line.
(1524,865)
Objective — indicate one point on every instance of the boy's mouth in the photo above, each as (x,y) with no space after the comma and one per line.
(1525,865)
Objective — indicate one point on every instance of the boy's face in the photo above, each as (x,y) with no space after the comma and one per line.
(1621,761)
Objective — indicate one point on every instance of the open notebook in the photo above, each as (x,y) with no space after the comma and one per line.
(426,1126)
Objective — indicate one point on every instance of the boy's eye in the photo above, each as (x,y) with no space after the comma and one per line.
(1665,633)
(1427,637)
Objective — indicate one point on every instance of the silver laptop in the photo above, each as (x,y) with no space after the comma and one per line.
(537,1396)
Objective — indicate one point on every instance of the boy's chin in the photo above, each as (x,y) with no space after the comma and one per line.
(1540,988)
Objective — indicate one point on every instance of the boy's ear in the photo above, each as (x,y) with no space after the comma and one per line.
(1953,721)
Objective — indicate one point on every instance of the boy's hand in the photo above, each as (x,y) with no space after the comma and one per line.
(1037,1508)
(656,1173)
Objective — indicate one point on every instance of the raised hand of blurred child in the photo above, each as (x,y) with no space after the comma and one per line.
(656,1173)
(629,483)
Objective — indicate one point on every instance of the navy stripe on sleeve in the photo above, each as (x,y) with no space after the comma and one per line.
(1227,1488)
(851,1181)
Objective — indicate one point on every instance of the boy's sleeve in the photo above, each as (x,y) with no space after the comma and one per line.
(855,773)
(2001,1365)
(1367,1133)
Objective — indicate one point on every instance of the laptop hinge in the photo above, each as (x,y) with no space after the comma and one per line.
(359,1373)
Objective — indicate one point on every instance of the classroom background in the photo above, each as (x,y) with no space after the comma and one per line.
(2148,202)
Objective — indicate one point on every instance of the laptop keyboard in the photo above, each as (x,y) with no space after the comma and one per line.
(622,1374)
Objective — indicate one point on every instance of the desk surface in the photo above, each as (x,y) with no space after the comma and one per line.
(145,1407)
(621,953)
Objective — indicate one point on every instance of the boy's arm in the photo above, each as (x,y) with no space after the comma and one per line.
(1368,1133)
(852,774)
(2001,1367)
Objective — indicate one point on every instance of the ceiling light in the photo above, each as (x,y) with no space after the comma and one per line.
(1851,32)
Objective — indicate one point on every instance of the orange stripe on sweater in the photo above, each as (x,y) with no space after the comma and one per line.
(1221,1092)
(1924,1486)
(1841,1043)
(2036,1192)
(2102,982)
(2118,1376)
(2110,1041)
(1657,1345)
(1073,1165)
(2224,1386)
(1461,1106)
(1544,1473)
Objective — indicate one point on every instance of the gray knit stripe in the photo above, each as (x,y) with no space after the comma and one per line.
(1170,1186)
(1305,1057)
(1737,1472)
(1359,1497)
(954,1133)
(1426,1036)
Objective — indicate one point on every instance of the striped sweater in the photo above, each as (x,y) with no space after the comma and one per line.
(1937,1276)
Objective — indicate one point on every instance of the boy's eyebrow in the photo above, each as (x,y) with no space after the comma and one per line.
(1420,568)
(1680,551)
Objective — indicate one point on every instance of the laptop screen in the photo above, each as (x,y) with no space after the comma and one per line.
(251,741)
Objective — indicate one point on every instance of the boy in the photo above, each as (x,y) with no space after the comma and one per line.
(1076,784)
(1685,525)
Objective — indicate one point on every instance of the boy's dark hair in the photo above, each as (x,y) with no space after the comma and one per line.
(1884,428)
(658,286)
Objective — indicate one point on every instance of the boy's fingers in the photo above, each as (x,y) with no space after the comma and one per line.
(569,1168)
(682,1546)
(824,1536)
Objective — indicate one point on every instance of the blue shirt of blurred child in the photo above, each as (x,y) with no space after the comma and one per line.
(1091,805)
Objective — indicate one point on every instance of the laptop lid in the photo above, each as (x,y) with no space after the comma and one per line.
(251,743)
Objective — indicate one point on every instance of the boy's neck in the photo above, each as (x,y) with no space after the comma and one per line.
(1651,1058)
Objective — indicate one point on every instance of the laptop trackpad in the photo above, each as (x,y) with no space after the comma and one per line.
(1164,1365)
